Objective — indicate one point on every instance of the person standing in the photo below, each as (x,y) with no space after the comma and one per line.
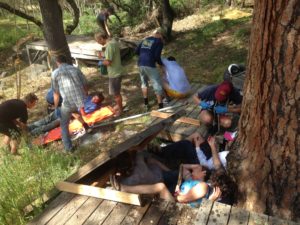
(13,120)
(71,84)
(102,18)
(112,59)
(149,52)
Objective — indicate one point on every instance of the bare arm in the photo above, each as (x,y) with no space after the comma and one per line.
(196,192)
(56,98)
(234,108)
(196,99)
(214,151)
(107,62)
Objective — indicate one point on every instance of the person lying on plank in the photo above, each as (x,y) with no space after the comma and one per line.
(152,177)
(51,121)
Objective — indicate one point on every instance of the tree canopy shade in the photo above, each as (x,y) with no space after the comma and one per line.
(265,162)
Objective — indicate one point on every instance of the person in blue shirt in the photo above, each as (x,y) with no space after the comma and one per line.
(51,121)
(149,52)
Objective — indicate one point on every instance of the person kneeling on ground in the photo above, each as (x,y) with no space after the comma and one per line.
(91,104)
(13,119)
(216,101)
(175,82)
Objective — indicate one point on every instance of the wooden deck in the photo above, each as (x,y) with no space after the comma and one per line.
(71,209)
(180,130)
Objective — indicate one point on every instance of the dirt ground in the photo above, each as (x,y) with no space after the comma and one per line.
(192,57)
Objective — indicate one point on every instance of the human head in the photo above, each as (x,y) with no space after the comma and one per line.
(200,173)
(228,187)
(110,10)
(101,38)
(60,59)
(171,58)
(30,100)
(97,97)
(160,33)
(223,91)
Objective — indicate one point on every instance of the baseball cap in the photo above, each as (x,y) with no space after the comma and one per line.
(223,91)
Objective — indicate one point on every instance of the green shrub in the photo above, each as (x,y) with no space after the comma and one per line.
(27,178)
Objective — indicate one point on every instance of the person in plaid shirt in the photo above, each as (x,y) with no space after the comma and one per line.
(69,82)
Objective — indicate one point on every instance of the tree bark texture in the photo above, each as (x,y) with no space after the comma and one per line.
(21,14)
(168,16)
(54,29)
(71,27)
(266,165)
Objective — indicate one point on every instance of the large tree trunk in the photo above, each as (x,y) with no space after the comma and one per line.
(54,29)
(168,16)
(76,14)
(266,164)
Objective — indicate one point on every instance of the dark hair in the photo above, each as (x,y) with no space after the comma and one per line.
(208,173)
(171,58)
(61,59)
(100,35)
(30,98)
(99,95)
(221,179)
(110,9)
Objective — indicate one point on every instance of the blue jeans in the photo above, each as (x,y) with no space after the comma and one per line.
(66,113)
(44,125)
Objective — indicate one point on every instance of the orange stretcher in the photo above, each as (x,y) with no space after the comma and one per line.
(74,126)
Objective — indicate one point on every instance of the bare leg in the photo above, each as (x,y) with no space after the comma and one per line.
(119,100)
(6,141)
(159,99)
(158,188)
(145,92)
(14,146)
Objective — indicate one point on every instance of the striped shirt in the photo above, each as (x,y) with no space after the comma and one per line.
(70,83)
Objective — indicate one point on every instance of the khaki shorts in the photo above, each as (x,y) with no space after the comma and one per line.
(114,85)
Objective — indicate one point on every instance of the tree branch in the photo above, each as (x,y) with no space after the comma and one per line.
(70,28)
(21,14)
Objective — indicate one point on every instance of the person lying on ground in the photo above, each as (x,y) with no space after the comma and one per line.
(192,190)
(216,101)
(175,82)
(13,120)
(51,121)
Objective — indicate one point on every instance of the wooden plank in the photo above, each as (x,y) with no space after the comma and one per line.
(203,212)
(84,211)
(124,146)
(277,221)
(54,207)
(165,115)
(188,215)
(238,216)
(154,213)
(118,214)
(68,210)
(100,213)
(135,215)
(97,192)
(219,214)
(257,219)
(172,214)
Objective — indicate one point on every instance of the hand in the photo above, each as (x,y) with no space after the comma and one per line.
(205,105)
(216,194)
(211,141)
(198,140)
(57,112)
(221,109)
(100,63)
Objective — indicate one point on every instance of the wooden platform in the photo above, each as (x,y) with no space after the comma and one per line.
(180,130)
(76,210)
(81,47)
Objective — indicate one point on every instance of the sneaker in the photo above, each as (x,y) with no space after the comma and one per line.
(166,101)
(79,134)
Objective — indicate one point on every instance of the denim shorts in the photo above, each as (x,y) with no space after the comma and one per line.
(152,74)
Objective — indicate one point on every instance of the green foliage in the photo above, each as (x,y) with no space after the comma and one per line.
(27,178)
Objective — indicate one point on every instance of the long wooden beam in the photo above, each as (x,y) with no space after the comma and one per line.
(182,119)
(97,192)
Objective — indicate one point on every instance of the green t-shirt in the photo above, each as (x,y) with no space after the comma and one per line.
(112,53)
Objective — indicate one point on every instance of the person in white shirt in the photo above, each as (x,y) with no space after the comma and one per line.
(175,82)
